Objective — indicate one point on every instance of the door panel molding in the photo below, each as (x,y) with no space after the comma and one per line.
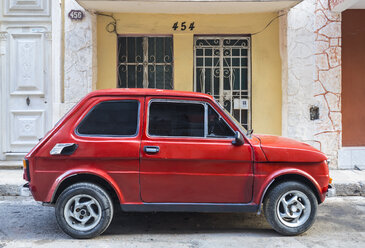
(27,8)
(27,127)
(27,62)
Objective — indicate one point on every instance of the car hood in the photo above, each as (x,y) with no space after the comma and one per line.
(280,149)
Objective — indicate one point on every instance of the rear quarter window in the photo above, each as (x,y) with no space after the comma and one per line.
(111,118)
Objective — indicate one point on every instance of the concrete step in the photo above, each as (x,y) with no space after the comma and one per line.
(345,182)
(9,165)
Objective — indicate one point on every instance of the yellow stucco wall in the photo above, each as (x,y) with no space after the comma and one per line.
(266,62)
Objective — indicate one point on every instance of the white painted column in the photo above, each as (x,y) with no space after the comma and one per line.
(300,68)
(79,57)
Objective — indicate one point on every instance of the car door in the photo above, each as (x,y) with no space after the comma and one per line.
(186,158)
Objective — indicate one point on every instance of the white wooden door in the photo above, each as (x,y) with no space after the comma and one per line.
(26,88)
(25,75)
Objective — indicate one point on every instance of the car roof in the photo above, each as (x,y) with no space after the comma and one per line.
(147,92)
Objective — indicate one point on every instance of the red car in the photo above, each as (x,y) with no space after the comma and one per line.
(149,150)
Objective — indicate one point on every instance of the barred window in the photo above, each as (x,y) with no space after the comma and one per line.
(145,62)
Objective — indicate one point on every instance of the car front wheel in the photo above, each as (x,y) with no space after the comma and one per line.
(290,208)
(84,210)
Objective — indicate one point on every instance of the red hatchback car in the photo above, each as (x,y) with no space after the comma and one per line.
(148,150)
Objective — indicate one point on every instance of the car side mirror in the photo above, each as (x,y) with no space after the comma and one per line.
(238,139)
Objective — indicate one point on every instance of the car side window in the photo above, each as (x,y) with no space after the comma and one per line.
(176,119)
(111,118)
(217,127)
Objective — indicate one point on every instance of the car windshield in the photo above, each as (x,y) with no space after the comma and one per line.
(242,129)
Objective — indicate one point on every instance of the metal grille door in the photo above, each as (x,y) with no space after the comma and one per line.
(222,69)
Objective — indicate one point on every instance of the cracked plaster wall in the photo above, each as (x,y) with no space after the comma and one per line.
(312,76)
(80,56)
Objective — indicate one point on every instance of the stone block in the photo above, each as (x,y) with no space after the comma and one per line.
(334,101)
(334,56)
(331,79)
(331,30)
(322,61)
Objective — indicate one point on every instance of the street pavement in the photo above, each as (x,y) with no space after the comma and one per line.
(340,223)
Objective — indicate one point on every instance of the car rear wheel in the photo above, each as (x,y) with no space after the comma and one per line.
(84,210)
(290,208)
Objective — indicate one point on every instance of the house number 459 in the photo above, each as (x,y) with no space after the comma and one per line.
(183,26)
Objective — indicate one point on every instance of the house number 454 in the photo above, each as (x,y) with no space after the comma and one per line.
(183,26)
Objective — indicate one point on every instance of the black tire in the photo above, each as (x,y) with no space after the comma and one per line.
(99,201)
(273,206)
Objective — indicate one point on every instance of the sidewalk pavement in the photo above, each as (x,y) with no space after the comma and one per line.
(345,182)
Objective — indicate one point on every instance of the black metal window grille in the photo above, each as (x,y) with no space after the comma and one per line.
(145,62)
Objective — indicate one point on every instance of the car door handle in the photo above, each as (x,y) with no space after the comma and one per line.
(64,149)
(151,149)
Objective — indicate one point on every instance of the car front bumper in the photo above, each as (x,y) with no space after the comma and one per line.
(331,191)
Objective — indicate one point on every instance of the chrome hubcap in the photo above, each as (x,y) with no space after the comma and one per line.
(293,208)
(82,212)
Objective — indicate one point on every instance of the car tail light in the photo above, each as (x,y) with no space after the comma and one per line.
(26,169)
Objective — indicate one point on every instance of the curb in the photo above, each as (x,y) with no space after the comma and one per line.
(10,190)
(350,189)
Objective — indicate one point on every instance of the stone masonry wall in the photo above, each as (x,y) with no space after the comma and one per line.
(313,77)
(328,78)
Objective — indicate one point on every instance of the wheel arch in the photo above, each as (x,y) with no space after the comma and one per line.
(291,177)
(90,178)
